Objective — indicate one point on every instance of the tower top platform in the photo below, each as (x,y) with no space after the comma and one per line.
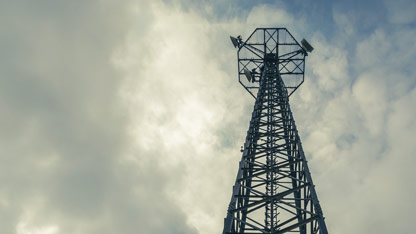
(271,44)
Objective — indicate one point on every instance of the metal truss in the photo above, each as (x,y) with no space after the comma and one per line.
(277,42)
(273,191)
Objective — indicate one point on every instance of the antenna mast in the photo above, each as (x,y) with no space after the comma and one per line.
(273,191)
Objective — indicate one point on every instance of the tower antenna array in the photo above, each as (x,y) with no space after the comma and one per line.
(273,191)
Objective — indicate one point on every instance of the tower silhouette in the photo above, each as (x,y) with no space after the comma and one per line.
(273,191)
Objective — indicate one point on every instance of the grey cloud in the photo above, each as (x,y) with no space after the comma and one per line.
(401,12)
(153,145)
(64,139)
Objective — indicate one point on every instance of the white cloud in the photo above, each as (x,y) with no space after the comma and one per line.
(64,137)
(355,129)
(267,15)
(182,99)
(370,93)
(153,144)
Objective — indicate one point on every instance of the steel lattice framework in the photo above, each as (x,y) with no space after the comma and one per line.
(273,191)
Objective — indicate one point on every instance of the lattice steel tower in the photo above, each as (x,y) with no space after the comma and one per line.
(273,192)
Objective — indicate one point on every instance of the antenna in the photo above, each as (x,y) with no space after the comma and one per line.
(270,45)
(234,41)
(306,46)
(248,74)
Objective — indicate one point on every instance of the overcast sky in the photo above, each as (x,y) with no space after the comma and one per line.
(127,117)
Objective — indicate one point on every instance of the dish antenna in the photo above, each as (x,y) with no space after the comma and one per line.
(306,46)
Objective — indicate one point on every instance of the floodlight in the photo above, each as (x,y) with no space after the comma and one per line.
(248,74)
(234,41)
(306,45)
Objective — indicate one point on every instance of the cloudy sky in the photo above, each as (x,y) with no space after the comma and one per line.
(127,117)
